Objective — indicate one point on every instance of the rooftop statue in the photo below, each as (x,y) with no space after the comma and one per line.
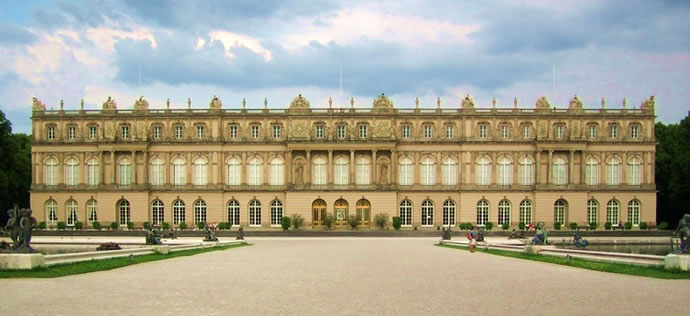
(468,102)
(300,103)
(109,104)
(141,104)
(19,227)
(543,103)
(382,104)
(37,105)
(215,104)
(648,104)
(575,103)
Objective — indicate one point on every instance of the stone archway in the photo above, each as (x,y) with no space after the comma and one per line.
(318,212)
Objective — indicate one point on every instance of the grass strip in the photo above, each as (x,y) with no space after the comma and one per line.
(60,270)
(621,268)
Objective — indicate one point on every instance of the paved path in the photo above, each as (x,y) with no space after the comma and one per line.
(344,276)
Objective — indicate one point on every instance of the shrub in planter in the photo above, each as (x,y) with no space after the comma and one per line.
(397,222)
(61,225)
(130,225)
(489,225)
(228,225)
(78,225)
(608,225)
(42,225)
(114,225)
(381,220)
(328,221)
(521,226)
(593,225)
(182,226)
(165,225)
(353,221)
(573,226)
(557,225)
(627,225)
(285,223)
(147,225)
(467,226)
(663,225)
(643,225)
(505,226)
(223,225)
(201,225)
(297,221)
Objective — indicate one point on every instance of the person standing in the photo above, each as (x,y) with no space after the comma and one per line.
(473,238)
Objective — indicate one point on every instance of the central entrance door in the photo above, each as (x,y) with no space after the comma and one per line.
(341,212)
(318,212)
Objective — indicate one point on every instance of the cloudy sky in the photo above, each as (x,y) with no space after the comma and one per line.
(270,49)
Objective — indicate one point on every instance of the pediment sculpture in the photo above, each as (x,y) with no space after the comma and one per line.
(384,129)
(141,104)
(382,104)
(543,103)
(37,105)
(215,103)
(300,103)
(110,104)
(468,102)
(648,104)
(575,103)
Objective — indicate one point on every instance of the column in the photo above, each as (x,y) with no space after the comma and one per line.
(145,176)
(134,167)
(603,179)
(583,167)
(460,172)
(189,169)
(83,170)
(416,172)
(516,167)
(352,167)
(308,167)
(265,170)
(537,173)
(101,168)
(330,167)
(372,175)
(571,163)
(494,170)
(624,168)
(549,171)
(34,174)
(112,167)
(288,171)
(393,167)
(243,176)
(439,167)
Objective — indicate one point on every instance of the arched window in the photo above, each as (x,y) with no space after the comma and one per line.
(483,171)
(255,171)
(93,172)
(559,210)
(123,212)
(157,212)
(276,213)
(634,171)
(449,213)
(363,211)
(406,213)
(341,170)
(125,172)
(526,171)
(592,171)
(505,171)
(51,212)
(318,171)
(614,171)
(277,171)
(72,209)
(157,172)
(428,171)
(199,212)
(406,171)
(341,212)
(71,172)
(200,171)
(179,172)
(51,172)
(91,211)
(178,212)
(254,213)
(234,212)
(234,171)
(503,212)
(362,171)
(559,172)
(318,212)
(526,211)
(634,212)
(427,213)
(612,208)
(482,212)
(592,211)
(450,171)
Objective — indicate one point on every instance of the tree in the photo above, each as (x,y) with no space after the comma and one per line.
(672,170)
(15,168)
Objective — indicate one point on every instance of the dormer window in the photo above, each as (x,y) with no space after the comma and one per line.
(483,130)
(51,132)
(319,131)
(363,131)
(179,131)
(428,131)
(72,132)
(200,131)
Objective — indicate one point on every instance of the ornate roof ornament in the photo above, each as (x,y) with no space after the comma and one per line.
(109,105)
(141,104)
(300,103)
(37,105)
(515,102)
(215,103)
(648,105)
(493,103)
(352,102)
(416,103)
(543,104)
(382,104)
(468,102)
(575,104)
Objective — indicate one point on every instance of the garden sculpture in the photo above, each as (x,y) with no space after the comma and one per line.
(542,236)
(153,237)
(20,226)
(579,242)
(210,235)
(240,234)
(682,232)
(446,233)
(517,234)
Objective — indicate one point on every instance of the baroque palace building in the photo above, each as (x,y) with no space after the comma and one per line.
(432,167)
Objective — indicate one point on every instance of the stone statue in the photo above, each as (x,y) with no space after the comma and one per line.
(209,234)
(579,242)
(383,178)
(153,237)
(542,235)
(110,104)
(299,174)
(446,233)
(682,232)
(215,104)
(20,226)
(468,102)
(240,234)
(37,105)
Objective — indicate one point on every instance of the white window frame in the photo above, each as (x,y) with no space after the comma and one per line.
(483,130)
(319,131)
(71,172)
(363,170)
(559,211)
(234,212)
(592,211)
(200,131)
(613,212)
(592,131)
(125,172)
(406,213)
(634,212)
(254,213)
(483,170)
(526,131)
(157,132)
(255,131)
(428,171)
(234,171)
(124,212)
(51,172)
(51,212)
(179,131)
(450,172)
(592,172)
(560,173)
(91,211)
(505,131)
(428,131)
(635,131)
(200,171)
(276,213)
(319,174)
(406,171)
(277,171)
(634,171)
(405,132)
(179,172)
(505,171)
(51,132)
(233,130)
(179,210)
(526,167)
(157,212)
(482,212)
(613,172)
(449,213)
(526,211)
(363,131)
(559,131)
(124,131)
(157,172)
(72,212)
(341,131)
(71,132)
(341,172)
(504,209)
(200,212)
(93,172)
(427,213)
(255,171)
(613,132)
(450,131)
(276,131)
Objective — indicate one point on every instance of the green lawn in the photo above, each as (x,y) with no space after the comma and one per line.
(106,264)
(651,272)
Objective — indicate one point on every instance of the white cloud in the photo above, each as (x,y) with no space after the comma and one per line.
(231,40)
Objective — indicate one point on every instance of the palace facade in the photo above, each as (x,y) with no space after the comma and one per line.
(432,167)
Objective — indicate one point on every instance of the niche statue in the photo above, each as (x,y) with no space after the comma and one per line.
(19,227)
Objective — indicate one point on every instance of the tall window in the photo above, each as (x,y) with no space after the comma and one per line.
(178,212)
(592,171)
(427,213)
(450,131)
(482,212)
(157,132)
(559,211)
(614,171)
(233,171)
(72,172)
(179,172)
(125,132)
(362,171)
(51,172)
(483,130)
(200,131)
(319,131)
(448,213)
(405,131)
(406,213)
(179,131)
(428,171)
(341,170)
(277,171)
(363,131)
(123,212)
(612,208)
(503,212)
(125,172)
(93,173)
(72,132)
(276,213)
(340,131)
(254,131)
(559,172)
(406,171)
(157,172)
(505,131)
(558,131)
(51,132)
(319,171)
(450,171)
(526,171)
(526,211)
(505,171)
(157,212)
(634,212)
(635,131)
(200,171)
(634,171)
(91,211)
(483,171)
(254,213)
(363,208)
(428,131)
(199,212)
(526,131)
(51,212)
(277,131)
(234,212)
(72,210)
(341,212)
(592,211)
(613,132)
(592,131)
(255,171)
(233,130)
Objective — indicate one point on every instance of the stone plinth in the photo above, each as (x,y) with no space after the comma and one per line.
(674,261)
(20,261)
(210,244)
(162,249)
(535,249)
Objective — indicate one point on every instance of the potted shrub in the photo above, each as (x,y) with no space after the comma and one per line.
(328,221)
(643,225)
(573,226)
(285,223)
(182,226)
(96,225)
(201,225)
(489,225)
(505,226)
(165,225)
(130,225)
(608,225)
(627,225)
(42,225)
(593,225)
(61,225)
(114,225)
(297,221)
(557,225)
(663,225)
(147,225)
(78,225)
(381,220)
(397,222)
(521,226)
(353,221)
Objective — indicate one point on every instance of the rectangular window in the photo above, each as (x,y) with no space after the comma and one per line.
(319,174)
(526,174)
(233,131)
(125,132)
(483,131)
(319,132)
(406,131)
(362,173)
(634,131)
(254,174)
(71,132)
(178,132)
(277,174)
(592,173)
(179,177)
(526,132)
(363,131)
(341,131)
(406,174)
(614,131)
(613,174)
(450,131)
(92,171)
(341,173)
(93,132)
(199,131)
(51,133)
(72,174)
(559,131)
(450,174)
(634,174)
(428,174)
(428,131)
(505,131)
(234,171)
(125,174)
(483,174)
(505,174)
(157,176)
(559,174)
(255,131)
(276,131)
(156,132)
(51,174)
(592,131)
(200,174)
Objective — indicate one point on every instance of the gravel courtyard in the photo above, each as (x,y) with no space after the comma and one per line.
(344,276)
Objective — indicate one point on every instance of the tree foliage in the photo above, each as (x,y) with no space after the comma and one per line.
(15,168)
(672,170)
